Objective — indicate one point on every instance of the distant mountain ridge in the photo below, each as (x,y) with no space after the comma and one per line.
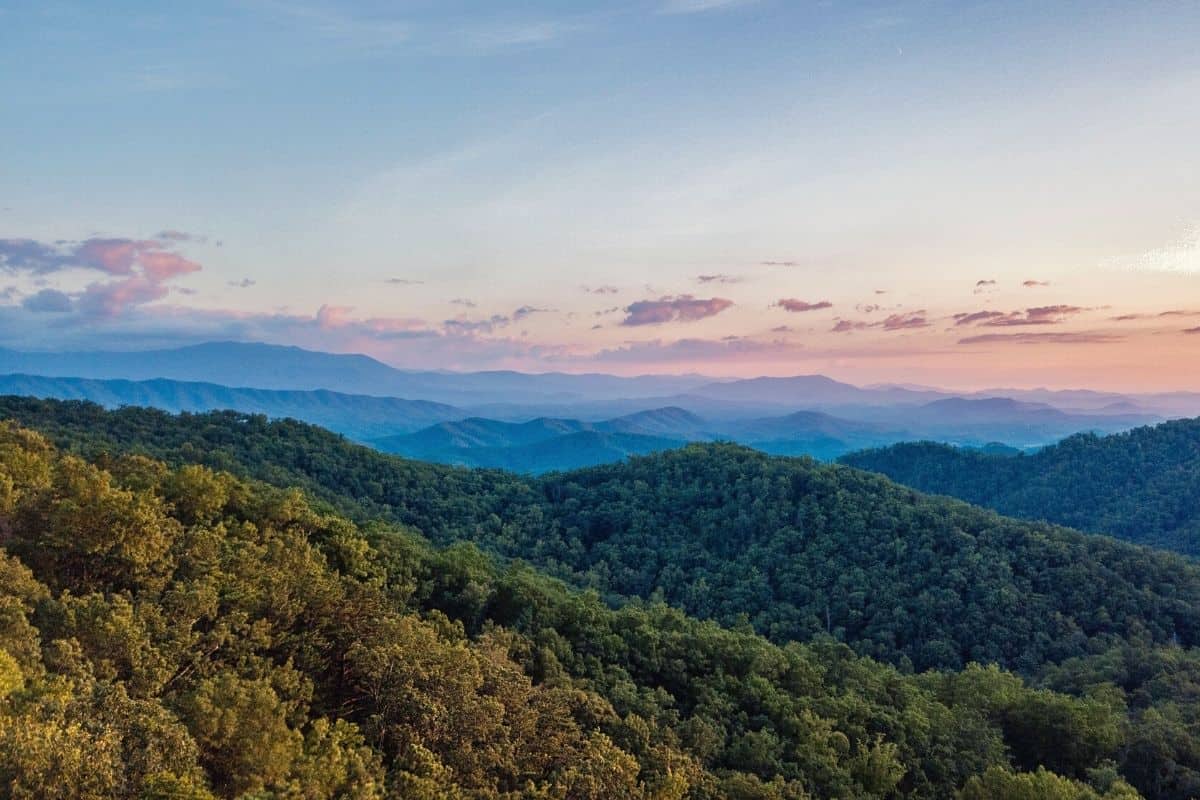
(359,417)
(515,395)
(265,366)
(483,442)
(545,444)
(452,434)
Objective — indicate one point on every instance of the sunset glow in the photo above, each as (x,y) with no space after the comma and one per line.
(951,194)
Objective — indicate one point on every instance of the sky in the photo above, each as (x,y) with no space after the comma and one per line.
(960,194)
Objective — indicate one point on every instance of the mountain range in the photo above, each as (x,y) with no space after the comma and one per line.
(494,393)
(357,416)
(452,434)
(555,421)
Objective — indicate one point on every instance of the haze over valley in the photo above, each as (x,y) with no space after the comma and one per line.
(552,421)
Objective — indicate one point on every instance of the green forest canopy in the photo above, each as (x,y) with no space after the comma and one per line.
(795,547)
(181,633)
(1140,485)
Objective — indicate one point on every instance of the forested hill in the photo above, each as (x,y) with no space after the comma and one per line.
(792,546)
(1142,486)
(178,633)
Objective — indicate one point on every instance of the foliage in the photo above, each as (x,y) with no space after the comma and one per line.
(795,547)
(1139,486)
(254,645)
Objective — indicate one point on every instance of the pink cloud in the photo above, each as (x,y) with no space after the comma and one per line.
(162,266)
(114,256)
(115,297)
(329,317)
(142,268)
(683,308)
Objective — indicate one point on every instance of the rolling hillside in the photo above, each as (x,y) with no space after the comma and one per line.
(799,550)
(216,638)
(725,532)
(1141,486)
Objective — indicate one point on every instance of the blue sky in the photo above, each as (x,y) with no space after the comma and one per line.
(631,186)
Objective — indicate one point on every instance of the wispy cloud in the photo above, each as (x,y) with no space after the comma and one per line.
(1042,338)
(508,35)
(1160,315)
(486,325)
(1038,315)
(719,277)
(733,348)
(903,321)
(492,323)
(1181,256)
(699,6)
(798,306)
(338,25)
(909,320)
(526,311)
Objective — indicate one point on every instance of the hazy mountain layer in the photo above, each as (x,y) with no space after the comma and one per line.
(520,396)
(448,434)
(357,416)
(266,366)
